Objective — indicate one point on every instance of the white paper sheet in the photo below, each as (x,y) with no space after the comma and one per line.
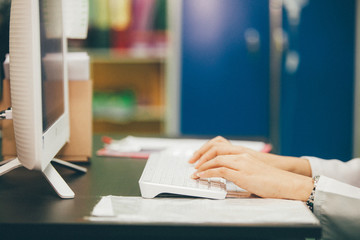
(134,144)
(76,18)
(190,211)
(78,65)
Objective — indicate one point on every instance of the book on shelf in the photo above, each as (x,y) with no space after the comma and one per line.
(132,27)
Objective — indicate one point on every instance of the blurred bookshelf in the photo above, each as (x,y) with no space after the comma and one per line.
(128,45)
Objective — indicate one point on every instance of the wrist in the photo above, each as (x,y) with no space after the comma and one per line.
(300,166)
(307,189)
(296,165)
(301,188)
(294,186)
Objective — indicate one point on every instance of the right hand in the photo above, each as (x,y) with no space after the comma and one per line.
(258,178)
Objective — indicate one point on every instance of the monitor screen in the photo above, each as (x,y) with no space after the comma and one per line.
(52,68)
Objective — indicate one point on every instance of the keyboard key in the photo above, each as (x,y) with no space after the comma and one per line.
(232,187)
(203,184)
(215,186)
(177,181)
(192,183)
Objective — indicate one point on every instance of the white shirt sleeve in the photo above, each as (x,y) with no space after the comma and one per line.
(337,206)
(347,172)
(337,197)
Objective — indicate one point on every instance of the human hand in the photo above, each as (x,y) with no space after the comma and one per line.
(215,147)
(253,175)
(219,146)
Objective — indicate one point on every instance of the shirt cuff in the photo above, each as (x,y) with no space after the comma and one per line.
(336,206)
(316,165)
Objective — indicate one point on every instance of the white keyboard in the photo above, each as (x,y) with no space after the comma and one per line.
(169,172)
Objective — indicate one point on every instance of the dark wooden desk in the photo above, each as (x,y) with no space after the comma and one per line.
(30,209)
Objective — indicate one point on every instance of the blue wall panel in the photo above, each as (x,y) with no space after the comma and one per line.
(317,101)
(224,87)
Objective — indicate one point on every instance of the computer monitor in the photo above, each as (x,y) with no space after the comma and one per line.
(39,88)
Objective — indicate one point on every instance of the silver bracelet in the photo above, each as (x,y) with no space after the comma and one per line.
(310,201)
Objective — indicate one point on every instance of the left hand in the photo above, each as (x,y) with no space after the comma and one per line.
(253,175)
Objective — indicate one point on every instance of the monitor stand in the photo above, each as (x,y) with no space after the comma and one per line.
(53,177)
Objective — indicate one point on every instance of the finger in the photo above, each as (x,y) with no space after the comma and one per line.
(197,154)
(217,150)
(235,162)
(206,147)
(223,172)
